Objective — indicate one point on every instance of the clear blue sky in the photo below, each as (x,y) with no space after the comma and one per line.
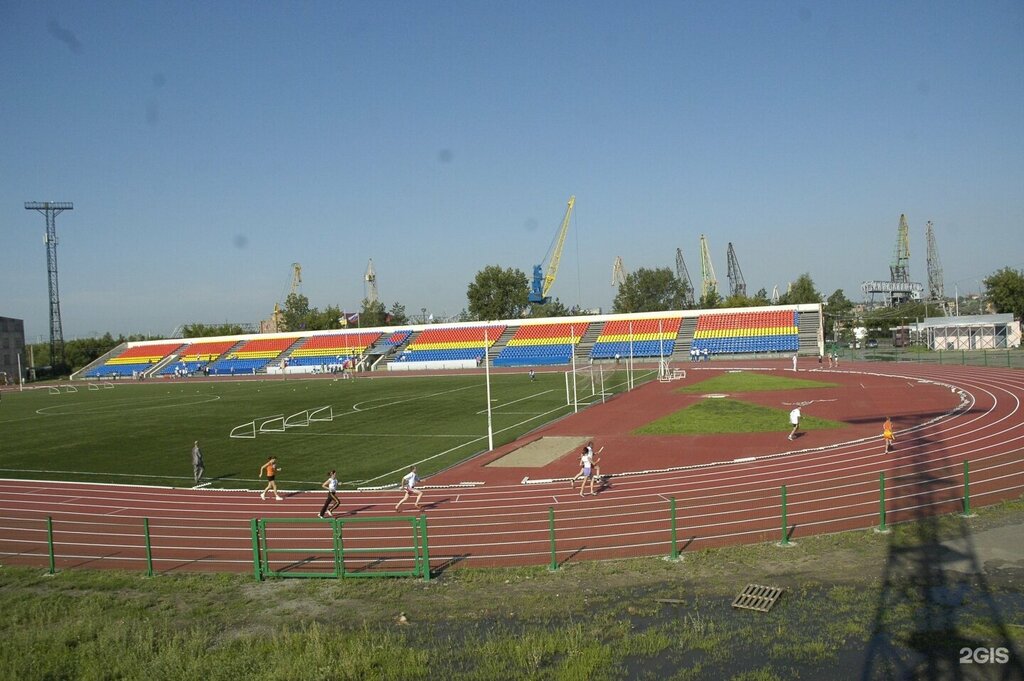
(207,146)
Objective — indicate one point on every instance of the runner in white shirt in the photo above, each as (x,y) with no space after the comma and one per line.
(409,483)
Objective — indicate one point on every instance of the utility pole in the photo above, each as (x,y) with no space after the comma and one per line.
(50,209)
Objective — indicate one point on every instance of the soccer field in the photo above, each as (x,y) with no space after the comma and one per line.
(372,430)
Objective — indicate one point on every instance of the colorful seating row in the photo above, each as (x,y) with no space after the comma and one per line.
(637,338)
(135,359)
(541,344)
(333,349)
(748,332)
(458,338)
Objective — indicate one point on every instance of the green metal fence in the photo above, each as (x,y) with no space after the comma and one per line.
(322,542)
(1007,358)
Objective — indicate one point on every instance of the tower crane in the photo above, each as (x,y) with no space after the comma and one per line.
(683,275)
(618,272)
(737,286)
(542,280)
(899,289)
(276,321)
(936,287)
(370,278)
(709,282)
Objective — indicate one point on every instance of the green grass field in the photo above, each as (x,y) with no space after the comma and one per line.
(142,432)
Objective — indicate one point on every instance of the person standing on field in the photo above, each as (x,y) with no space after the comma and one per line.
(794,420)
(409,483)
(271,469)
(197,462)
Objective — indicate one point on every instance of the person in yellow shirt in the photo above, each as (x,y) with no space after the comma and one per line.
(887,434)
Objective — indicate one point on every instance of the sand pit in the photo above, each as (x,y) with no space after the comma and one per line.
(540,453)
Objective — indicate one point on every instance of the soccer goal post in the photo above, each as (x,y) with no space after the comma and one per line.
(244,431)
(274,424)
(297,420)
(321,414)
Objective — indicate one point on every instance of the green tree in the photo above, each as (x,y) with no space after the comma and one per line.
(709,300)
(1005,291)
(397,316)
(372,313)
(498,293)
(206,330)
(650,290)
(839,305)
(551,309)
(802,291)
(744,301)
(296,312)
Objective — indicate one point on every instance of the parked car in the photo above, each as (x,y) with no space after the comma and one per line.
(872,343)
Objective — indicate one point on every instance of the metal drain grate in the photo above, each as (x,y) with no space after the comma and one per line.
(755,597)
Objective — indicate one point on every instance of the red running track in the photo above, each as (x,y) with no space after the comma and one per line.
(944,416)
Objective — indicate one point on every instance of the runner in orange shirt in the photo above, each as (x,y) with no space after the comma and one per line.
(270,468)
(887,434)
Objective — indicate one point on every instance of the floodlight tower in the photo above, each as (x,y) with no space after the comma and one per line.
(50,209)
(683,275)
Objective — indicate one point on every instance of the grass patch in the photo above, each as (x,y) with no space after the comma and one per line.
(600,620)
(141,432)
(752,381)
(729,416)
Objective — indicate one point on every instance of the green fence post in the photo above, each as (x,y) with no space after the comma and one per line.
(426,548)
(675,550)
(881,504)
(254,529)
(49,540)
(339,559)
(149,548)
(785,537)
(967,491)
(551,532)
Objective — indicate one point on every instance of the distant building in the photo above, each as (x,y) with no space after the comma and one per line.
(12,345)
(969,332)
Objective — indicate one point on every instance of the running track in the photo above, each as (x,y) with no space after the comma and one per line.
(829,488)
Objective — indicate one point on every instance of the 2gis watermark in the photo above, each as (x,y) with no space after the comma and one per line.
(984,655)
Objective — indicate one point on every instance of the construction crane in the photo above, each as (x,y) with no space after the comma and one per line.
(709,282)
(542,280)
(899,288)
(737,286)
(936,287)
(370,279)
(618,272)
(683,275)
(899,269)
(276,321)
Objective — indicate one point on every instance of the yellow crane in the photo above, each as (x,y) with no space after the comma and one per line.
(542,280)
(276,321)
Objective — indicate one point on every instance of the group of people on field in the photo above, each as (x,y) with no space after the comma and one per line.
(590,471)
(888,434)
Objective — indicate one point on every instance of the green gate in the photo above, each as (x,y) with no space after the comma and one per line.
(307,540)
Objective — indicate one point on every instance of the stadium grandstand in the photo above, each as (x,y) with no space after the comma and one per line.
(650,336)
